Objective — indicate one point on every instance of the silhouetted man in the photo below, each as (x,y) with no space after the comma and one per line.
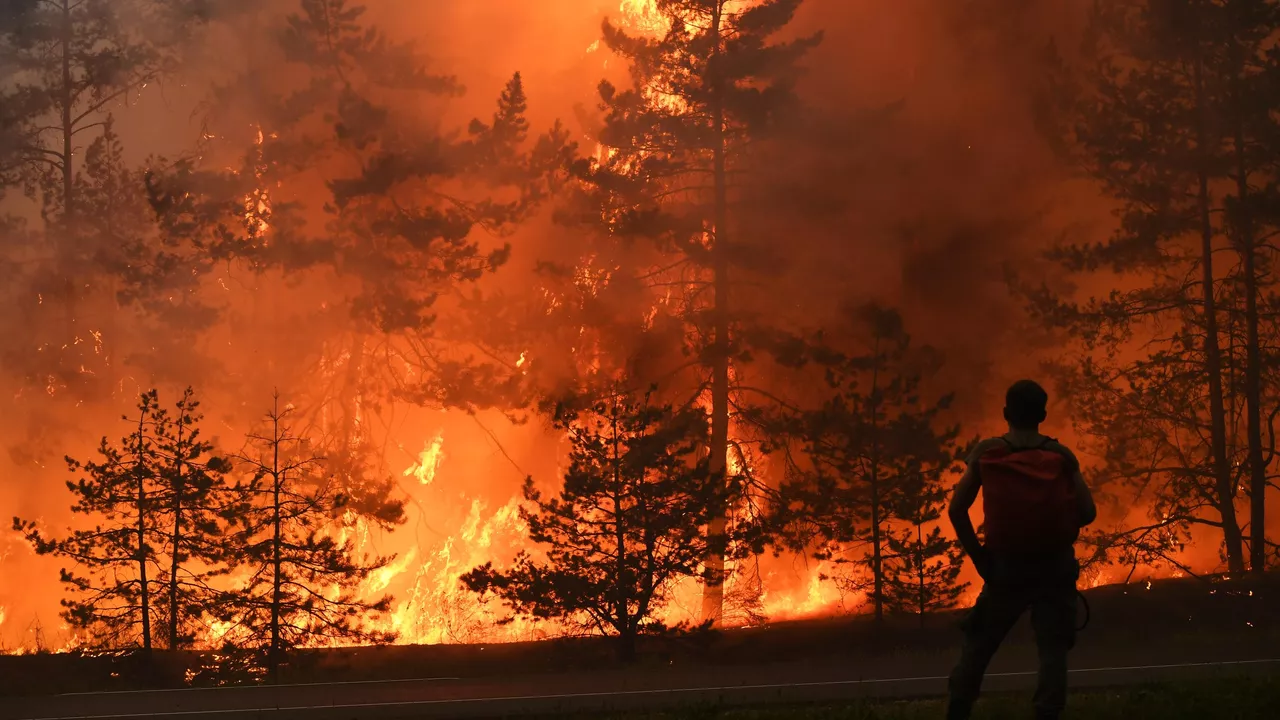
(1034,501)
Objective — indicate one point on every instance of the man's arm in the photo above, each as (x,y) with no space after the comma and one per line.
(1084,499)
(965,495)
(1086,510)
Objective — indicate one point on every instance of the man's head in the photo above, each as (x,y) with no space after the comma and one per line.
(1024,405)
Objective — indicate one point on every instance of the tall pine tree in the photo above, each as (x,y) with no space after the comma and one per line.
(69,64)
(675,151)
(73,61)
(1247,68)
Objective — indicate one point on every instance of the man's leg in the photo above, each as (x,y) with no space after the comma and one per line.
(1053,616)
(988,622)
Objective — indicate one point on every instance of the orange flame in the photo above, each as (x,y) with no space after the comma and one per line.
(430,458)
(257,204)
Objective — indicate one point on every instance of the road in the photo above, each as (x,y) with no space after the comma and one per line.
(562,694)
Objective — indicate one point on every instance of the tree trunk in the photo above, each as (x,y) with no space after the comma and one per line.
(1253,354)
(620,612)
(877,558)
(66,100)
(276,554)
(627,646)
(65,248)
(1253,399)
(920,571)
(145,597)
(713,591)
(175,563)
(1213,355)
(349,395)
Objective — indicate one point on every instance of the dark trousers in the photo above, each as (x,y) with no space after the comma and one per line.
(1048,588)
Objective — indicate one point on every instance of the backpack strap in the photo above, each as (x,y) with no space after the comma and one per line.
(1044,442)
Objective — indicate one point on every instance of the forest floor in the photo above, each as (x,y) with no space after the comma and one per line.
(1186,620)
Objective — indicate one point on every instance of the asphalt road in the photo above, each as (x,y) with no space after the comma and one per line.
(562,694)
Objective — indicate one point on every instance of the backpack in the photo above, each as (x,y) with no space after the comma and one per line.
(1029,499)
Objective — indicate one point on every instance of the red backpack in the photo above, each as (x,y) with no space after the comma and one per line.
(1028,499)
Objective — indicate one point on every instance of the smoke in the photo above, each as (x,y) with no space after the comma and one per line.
(915,175)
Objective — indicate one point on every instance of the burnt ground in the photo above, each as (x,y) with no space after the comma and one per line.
(1171,621)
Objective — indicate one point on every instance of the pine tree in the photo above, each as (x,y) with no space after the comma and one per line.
(15,136)
(116,578)
(922,566)
(116,224)
(1169,119)
(161,501)
(855,461)
(1138,413)
(304,575)
(626,523)
(73,60)
(71,63)
(675,148)
(1249,70)
(193,505)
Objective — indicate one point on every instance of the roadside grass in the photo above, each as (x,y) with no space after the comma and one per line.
(1251,698)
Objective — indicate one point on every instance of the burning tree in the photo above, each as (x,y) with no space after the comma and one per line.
(867,459)
(626,524)
(676,149)
(304,574)
(159,502)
